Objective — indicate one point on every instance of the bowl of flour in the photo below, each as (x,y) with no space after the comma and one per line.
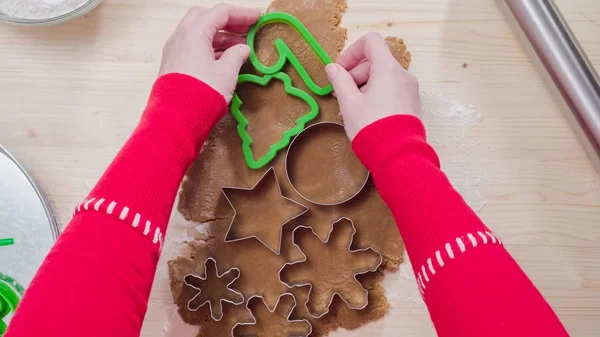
(44,12)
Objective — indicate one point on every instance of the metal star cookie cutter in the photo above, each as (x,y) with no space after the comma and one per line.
(212,312)
(309,284)
(287,170)
(271,170)
(272,311)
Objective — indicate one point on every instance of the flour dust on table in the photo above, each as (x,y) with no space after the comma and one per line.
(39,9)
(448,125)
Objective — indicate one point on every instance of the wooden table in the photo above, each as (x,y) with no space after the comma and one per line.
(71,94)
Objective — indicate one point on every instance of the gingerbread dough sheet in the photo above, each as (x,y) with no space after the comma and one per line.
(270,111)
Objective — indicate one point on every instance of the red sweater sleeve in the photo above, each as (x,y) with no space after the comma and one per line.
(97,278)
(471,285)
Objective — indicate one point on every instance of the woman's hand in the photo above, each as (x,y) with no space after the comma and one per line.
(388,88)
(209,45)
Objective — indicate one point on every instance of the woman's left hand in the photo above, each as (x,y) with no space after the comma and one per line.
(209,45)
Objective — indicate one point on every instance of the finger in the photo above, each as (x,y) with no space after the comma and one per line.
(238,29)
(343,83)
(218,54)
(224,40)
(235,56)
(361,73)
(223,15)
(371,47)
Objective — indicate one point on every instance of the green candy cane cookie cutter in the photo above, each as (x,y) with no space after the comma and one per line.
(285,53)
(274,72)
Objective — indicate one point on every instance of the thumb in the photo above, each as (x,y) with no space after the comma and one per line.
(343,83)
(235,56)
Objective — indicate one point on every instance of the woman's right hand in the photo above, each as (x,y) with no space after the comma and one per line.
(371,85)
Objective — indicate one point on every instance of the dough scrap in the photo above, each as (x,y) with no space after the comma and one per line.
(221,163)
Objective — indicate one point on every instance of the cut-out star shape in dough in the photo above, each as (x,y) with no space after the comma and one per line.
(274,323)
(213,289)
(261,212)
(331,266)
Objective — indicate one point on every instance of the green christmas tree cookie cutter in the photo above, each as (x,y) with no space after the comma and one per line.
(287,135)
(274,72)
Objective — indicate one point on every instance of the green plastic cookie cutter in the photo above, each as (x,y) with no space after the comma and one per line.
(288,134)
(285,53)
(9,299)
(274,71)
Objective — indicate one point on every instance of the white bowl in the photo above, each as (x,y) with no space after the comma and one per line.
(78,12)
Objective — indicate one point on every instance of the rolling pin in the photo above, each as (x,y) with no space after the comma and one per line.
(565,61)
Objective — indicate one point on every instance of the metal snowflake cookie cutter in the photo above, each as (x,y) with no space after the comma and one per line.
(273,311)
(312,128)
(263,179)
(216,316)
(309,284)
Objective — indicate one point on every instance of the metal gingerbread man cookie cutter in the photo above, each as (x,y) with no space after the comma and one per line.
(272,311)
(275,72)
(304,259)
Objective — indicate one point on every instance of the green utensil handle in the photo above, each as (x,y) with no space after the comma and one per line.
(7,242)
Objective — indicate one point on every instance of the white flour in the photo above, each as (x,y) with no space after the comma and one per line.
(462,155)
(39,9)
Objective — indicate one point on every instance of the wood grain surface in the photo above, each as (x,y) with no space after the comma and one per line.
(71,94)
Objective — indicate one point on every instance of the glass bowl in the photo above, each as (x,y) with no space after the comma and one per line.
(78,12)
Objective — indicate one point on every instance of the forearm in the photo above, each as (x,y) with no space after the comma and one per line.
(469,282)
(97,279)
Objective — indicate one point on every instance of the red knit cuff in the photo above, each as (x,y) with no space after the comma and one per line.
(151,231)
(405,132)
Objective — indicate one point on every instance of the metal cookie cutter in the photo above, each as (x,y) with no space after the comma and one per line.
(309,331)
(270,173)
(366,292)
(215,313)
(306,133)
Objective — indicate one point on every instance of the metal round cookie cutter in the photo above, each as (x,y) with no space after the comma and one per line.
(301,135)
